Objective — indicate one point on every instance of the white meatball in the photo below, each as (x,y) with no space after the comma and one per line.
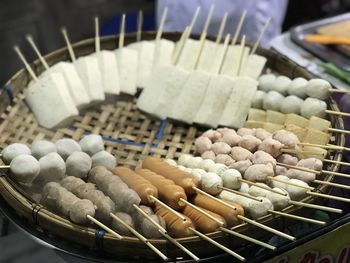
(171,162)
(217,168)
(24,168)
(231,179)
(224,159)
(188,170)
(210,183)
(42,147)
(193,162)
(261,157)
(280,170)
(105,159)
(262,134)
(287,159)
(259,172)
(183,159)
(295,192)
(291,104)
(208,155)
(246,131)
(198,173)
(240,154)
(318,88)
(266,81)
(258,99)
(181,167)
(92,144)
(232,139)
(278,184)
(243,201)
(244,188)
(249,142)
(256,191)
(52,168)
(66,147)
(203,144)
(313,107)
(206,164)
(212,135)
(273,101)
(220,148)
(279,201)
(258,209)
(13,150)
(298,87)
(311,163)
(301,175)
(241,166)
(78,164)
(287,138)
(281,84)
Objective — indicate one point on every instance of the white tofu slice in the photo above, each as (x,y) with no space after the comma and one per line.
(231,62)
(50,102)
(76,89)
(89,72)
(109,71)
(254,66)
(218,92)
(127,65)
(188,54)
(208,56)
(145,54)
(238,105)
(190,99)
(163,53)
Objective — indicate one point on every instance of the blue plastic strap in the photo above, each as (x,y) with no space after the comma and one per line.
(9,91)
(99,236)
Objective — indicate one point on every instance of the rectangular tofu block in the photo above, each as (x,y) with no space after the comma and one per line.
(109,71)
(254,66)
(215,99)
(275,117)
(190,99)
(319,124)
(254,124)
(238,105)
(145,54)
(50,102)
(310,151)
(232,58)
(127,64)
(89,72)
(187,56)
(298,131)
(316,137)
(163,53)
(257,115)
(272,127)
(207,59)
(76,89)
(292,118)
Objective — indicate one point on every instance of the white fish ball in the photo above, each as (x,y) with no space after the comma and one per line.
(210,183)
(266,81)
(24,168)
(272,101)
(258,99)
(281,84)
(13,150)
(313,107)
(318,88)
(78,164)
(42,148)
(298,87)
(231,179)
(291,104)
(91,144)
(66,147)
(105,159)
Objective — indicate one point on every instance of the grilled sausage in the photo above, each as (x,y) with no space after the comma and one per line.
(181,178)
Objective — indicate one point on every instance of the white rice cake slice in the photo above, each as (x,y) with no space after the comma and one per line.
(75,86)
(254,66)
(163,53)
(145,54)
(275,117)
(188,54)
(216,97)
(238,105)
(109,71)
(50,102)
(319,124)
(208,56)
(127,64)
(257,115)
(89,72)
(232,58)
(190,99)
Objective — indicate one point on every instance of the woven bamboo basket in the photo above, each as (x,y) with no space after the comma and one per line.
(130,136)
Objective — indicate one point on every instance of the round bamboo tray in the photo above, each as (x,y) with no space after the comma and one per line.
(130,136)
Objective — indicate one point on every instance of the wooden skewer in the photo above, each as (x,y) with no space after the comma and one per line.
(223,55)
(179,46)
(290,183)
(161,25)
(164,233)
(305,219)
(220,223)
(139,26)
(5,167)
(229,251)
(97,35)
(239,27)
(338,113)
(155,200)
(222,28)
(241,58)
(319,207)
(339,90)
(69,46)
(267,228)
(213,198)
(122,32)
(194,19)
(263,187)
(255,47)
(25,62)
(328,146)
(207,21)
(329,196)
(104,227)
(347,187)
(140,237)
(252,240)
(240,193)
(336,162)
(338,130)
(36,49)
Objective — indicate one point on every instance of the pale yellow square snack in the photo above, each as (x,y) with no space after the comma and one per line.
(316,137)
(310,151)
(275,117)
(319,124)
(297,130)
(272,127)
(257,115)
(254,124)
(295,119)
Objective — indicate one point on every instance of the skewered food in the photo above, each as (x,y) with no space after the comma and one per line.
(203,144)
(52,169)
(13,150)
(259,172)
(258,99)
(261,157)
(298,87)
(313,107)
(249,142)
(24,168)
(220,148)
(210,182)
(119,227)
(42,148)
(318,88)
(281,84)
(105,159)
(291,104)
(66,147)
(78,164)
(240,154)
(231,178)
(266,81)
(91,144)
(273,101)
(127,65)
